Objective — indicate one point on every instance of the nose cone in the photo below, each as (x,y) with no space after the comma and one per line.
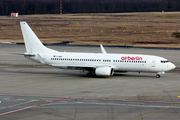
(172,66)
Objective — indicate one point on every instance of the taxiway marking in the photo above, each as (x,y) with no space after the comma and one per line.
(17,104)
(32,107)
(90,98)
(156,111)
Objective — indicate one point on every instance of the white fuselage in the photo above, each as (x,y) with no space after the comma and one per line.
(119,62)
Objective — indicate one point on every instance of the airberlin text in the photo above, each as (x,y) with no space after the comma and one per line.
(131,58)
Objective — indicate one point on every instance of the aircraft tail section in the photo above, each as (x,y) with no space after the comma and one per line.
(32,42)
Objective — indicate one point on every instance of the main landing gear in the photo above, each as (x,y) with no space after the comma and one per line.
(90,73)
(158,76)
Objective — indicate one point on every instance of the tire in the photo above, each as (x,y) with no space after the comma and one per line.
(158,76)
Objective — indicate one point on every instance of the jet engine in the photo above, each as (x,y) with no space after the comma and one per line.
(104,71)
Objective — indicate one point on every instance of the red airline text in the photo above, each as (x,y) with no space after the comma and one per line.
(131,58)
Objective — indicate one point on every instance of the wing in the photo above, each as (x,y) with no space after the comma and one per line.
(77,67)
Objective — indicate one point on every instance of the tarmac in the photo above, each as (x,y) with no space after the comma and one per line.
(29,90)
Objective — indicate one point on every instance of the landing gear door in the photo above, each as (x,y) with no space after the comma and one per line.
(153,62)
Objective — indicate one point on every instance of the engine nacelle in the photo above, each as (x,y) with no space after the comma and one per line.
(104,71)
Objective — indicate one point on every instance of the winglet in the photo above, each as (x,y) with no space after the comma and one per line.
(102,49)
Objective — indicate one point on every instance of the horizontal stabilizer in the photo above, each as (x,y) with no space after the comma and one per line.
(25,54)
(29,54)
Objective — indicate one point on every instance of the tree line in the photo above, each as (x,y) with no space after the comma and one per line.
(83,6)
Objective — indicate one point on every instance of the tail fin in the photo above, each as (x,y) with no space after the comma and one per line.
(32,42)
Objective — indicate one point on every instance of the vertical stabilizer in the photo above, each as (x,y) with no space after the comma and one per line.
(32,42)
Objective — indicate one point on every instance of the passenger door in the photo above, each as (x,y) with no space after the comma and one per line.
(153,62)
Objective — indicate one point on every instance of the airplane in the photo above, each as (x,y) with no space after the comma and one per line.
(100,64)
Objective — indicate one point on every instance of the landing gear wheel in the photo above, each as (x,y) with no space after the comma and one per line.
(90,74)
(158,76)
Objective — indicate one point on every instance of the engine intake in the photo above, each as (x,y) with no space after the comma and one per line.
(104,71)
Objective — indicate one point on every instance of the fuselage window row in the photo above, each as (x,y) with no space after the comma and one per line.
(98,60)
(71,59)
(129,61)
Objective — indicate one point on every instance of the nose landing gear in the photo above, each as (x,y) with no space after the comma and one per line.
(158,74)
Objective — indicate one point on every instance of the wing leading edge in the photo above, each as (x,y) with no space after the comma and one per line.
(78,67)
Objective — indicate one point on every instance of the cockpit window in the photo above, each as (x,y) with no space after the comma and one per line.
(164,61)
